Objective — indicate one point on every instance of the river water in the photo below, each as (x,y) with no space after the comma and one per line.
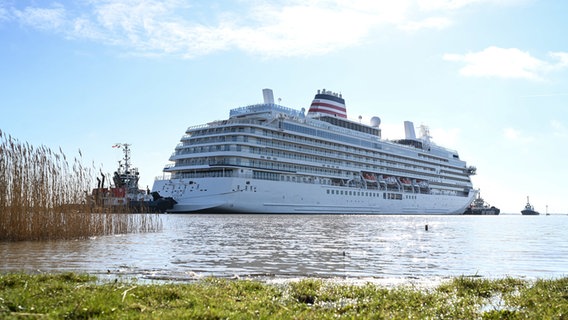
(384,248)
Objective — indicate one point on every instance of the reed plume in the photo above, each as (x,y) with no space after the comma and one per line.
(44,196)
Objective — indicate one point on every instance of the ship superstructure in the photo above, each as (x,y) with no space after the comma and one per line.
(267,158)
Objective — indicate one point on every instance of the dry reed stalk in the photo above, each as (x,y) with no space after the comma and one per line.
(43,197)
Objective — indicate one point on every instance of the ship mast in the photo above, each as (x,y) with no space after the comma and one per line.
(126,150)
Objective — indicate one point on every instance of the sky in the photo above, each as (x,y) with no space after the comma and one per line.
(488,77)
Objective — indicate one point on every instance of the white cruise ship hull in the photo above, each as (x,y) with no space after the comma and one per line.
(240,195)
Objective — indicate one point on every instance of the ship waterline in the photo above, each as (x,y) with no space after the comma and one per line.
(267,158)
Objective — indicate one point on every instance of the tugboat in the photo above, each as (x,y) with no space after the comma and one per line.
(480,207)
(124,195)
(529,209)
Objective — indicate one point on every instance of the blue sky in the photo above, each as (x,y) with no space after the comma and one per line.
(489,77)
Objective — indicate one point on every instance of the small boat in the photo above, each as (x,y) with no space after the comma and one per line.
(124,195)
(480,207)
(529,209)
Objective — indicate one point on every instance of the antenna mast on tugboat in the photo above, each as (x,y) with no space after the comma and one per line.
(125,148)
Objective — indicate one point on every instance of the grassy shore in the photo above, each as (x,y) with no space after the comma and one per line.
(75,296)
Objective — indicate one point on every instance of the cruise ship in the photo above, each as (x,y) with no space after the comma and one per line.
(267,158)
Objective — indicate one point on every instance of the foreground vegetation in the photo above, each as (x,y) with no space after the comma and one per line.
(43,197)
(75,296)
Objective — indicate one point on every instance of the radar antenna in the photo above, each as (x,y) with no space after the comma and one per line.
(425,133)
(425,136)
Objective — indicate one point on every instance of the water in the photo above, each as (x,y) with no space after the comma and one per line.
(393,248)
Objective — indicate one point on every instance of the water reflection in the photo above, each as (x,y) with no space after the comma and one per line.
(192,246)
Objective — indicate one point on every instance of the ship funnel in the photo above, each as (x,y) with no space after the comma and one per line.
(268,96)
(409,130)
(328,103)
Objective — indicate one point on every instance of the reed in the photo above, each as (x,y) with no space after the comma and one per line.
(43,197)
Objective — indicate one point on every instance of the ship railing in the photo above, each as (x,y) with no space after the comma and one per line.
(265,107)
(366,153)
(321,177)
(205,174)
(197,126)
(402,169)
(330,127)
(405,164)
(330,165)
(217,123)
(275,110)
(165,176)
(308,168)
(300,116)
(362,153)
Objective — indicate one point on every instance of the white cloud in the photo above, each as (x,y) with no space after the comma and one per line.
(513,134)
(268,28)
(429,23)
(304,29)
(562,57)
(544,95)
(458,4)
(447,137)
(4,16)
(42,18)
(507,63)
(558,129)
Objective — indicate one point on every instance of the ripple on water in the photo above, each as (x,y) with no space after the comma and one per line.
(359,248)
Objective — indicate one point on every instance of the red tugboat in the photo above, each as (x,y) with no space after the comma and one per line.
(124,195)
(480,207)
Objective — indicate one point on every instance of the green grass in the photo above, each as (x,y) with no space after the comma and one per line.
(76,296)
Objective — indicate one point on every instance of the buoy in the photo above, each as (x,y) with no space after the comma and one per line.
(426,227)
